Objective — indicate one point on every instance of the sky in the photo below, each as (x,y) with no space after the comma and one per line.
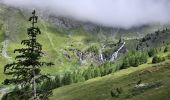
(113,13)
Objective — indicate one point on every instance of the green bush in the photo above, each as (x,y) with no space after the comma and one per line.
(166,49)
(152,52)
(157,59)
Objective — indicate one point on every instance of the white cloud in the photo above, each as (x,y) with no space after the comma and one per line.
(115,13)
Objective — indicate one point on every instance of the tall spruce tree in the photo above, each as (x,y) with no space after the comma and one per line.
(26,69)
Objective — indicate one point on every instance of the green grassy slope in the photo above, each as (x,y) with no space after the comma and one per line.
(13,26)
(99,88)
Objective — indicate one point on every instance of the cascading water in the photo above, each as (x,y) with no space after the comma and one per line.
(115,54)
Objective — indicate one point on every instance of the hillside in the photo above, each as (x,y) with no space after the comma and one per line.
(57,37)
(155,77)
(76,47)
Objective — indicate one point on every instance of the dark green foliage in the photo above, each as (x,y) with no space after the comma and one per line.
(58,81)
(134,59)
(27,64)
(45,89)
(93,49)
(82,75)
(152,52)
(157,59)
(67,79)
(166,49)
(18,94)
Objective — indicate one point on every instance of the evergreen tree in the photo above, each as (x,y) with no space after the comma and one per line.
(97,72)
(137,63)
(58,81)
(125,63)
(67,79)
(26,69)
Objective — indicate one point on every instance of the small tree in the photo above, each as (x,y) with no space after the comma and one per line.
(26,69)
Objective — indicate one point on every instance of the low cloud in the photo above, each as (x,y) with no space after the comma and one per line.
(114,13)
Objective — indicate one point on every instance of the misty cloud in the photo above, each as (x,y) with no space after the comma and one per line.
(115,13)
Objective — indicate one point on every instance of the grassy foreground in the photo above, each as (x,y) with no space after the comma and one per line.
(100,88)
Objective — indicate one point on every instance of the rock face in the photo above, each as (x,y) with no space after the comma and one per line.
(62,22)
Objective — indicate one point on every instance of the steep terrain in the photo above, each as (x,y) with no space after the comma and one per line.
(74,45)
(60,35)
(63,39)
(155,85)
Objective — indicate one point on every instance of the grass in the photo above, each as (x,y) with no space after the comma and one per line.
(99,88)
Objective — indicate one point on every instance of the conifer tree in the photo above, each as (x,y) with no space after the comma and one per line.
(25,70)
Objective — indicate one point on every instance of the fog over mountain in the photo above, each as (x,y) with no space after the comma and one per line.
(114,13)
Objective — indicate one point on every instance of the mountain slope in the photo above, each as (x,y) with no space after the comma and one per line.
(58,35)
(155,76)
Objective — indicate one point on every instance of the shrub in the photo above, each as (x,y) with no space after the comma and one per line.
(152,52)
(166,49)
(157,59)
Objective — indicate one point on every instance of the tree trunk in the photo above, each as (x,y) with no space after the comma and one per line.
(34,84)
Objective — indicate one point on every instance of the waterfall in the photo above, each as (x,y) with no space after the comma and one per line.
(115,54)
(101,55)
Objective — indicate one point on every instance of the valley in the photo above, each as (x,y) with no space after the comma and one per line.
(91,61)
